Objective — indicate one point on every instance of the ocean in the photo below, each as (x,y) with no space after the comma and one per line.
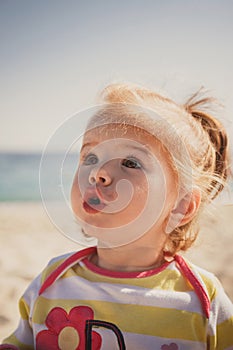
(19,174)
(19,177)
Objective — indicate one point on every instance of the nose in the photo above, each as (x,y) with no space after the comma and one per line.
(100,176)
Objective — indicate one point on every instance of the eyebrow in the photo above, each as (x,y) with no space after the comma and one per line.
(88,144)
(143,150)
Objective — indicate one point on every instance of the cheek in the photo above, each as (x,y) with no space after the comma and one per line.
(82,176)
(74,197)
(140,187)
(155,194)
(75,194)
(80,181)
(141,190)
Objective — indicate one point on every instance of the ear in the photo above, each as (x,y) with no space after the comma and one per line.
(184,211)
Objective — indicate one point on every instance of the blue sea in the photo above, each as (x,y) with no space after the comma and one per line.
(19,174)
(19,177)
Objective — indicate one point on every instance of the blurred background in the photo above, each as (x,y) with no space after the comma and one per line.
(55,57)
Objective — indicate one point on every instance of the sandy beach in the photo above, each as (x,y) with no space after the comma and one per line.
(28,240)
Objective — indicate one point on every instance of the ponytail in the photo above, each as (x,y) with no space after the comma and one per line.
(217,155)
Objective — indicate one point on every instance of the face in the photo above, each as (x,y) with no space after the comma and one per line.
(124,185)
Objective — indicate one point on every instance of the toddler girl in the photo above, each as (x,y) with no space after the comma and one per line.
(147,168)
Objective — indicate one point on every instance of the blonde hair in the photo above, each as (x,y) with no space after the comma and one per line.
(202,134)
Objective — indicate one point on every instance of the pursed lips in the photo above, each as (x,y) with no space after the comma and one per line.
(93,201)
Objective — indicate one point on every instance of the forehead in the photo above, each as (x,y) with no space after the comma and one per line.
(128,137)
(140,124)
(116,131)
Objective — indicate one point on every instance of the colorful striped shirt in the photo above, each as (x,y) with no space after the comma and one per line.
(75,305)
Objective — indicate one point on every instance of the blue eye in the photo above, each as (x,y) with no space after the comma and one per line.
(131,163)
(90,159)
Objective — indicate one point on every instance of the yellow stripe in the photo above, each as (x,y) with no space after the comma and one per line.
(166,280)
(24,309)
(224,337)
(210,286)
(14,341)
(47,271)
(137,319)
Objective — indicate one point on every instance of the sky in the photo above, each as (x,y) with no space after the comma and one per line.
(57,55)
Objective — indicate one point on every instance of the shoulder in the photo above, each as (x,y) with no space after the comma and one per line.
(60,265)
(33,288)
(53,264)
(55,268)
(211,283)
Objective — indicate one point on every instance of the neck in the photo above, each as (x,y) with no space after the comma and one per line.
(128,259)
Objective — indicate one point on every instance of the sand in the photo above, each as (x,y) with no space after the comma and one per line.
(28,240)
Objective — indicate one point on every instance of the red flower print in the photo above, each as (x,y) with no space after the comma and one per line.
(171,346)
(66,331)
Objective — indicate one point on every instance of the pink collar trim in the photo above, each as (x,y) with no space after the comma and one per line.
(123,274)
(83,255)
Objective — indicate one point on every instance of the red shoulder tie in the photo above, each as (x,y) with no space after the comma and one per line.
(61,269)
(201,293)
